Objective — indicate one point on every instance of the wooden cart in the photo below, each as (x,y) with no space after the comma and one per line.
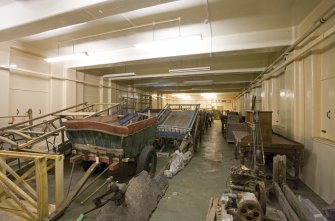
(105,140)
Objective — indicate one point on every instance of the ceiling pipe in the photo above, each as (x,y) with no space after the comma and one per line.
(208,21)
(322,20)
(123,29)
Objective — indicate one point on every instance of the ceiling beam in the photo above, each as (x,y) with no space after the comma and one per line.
(72,16)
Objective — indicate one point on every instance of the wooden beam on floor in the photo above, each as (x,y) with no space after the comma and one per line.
(296,205)
(289,212)
(68,200)
(12,195)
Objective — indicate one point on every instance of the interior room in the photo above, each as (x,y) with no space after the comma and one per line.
(167,110)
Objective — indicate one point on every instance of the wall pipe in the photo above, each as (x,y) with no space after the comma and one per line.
(321,21)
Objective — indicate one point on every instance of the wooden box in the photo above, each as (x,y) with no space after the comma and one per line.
(265,118)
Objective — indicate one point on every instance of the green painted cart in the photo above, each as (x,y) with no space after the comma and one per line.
(105,140)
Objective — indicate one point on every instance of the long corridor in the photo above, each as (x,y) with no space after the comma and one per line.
(188,195)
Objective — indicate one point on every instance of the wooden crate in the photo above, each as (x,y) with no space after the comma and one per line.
(265,122)
(25,196)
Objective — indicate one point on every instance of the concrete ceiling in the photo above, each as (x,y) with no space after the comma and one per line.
(240,38)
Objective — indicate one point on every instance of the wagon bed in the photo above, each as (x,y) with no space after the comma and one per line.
(177,120)
(105,136)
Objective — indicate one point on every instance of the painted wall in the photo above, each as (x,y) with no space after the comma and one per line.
(221,102)
(301,95)
(27,81)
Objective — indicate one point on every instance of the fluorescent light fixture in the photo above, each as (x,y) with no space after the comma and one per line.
(183,70)
(207,82)
(202,89)
(170,43)
(66,57)
(208,95)
(146,84)
(119,75)
(231,82)
(181,96)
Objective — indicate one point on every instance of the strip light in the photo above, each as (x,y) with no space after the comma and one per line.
(66,57)
(183,70)
(207,82)
(208,95)
(119,75)
(146,84)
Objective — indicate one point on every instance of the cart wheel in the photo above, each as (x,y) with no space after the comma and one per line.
(147,161)
(86,165)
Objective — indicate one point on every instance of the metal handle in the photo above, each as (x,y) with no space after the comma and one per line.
(328,114)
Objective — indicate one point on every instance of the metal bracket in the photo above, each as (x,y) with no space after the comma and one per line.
(328,114)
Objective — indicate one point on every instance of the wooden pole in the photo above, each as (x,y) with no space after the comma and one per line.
(296,205)
(42,187)
(289,212)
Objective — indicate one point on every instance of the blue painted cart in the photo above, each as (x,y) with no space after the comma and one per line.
(178,122)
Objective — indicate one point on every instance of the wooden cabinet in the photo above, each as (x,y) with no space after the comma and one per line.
(265,118)
(328,108)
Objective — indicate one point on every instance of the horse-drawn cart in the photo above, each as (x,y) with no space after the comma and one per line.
(105,140)
(179,123)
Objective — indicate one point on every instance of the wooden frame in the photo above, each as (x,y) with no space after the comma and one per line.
(28,197)
(279,145)
(24,135)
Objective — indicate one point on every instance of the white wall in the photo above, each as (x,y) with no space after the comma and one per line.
(43,87)
(4,82)
(300,95)
(221,102)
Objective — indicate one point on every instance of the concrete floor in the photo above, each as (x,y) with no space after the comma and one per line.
(188,195)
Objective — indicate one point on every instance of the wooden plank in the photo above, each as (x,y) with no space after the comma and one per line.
(42,187)
(275,169)
(209,207)
(12,195)
(2,170)
(94,149)
(40,138)
(114,166)
(65,114)
(19,133)
(289,212)
(296,205)
(59,180)
(65,204)
(19,179)
(75,158)
(50,166)
(279,169)
(23,176)
(12,186)
(282,170)
(212,212)
(40,117)
(28,155)
(8,141)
